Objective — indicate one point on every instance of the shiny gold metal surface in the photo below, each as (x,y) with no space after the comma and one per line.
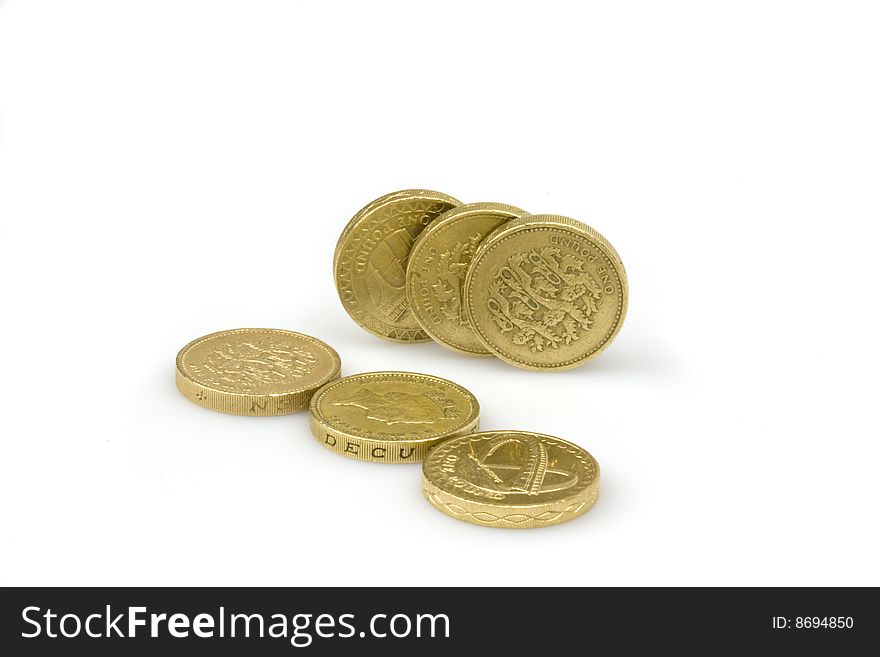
(369,264)
(255,371)
(511,479)
(545,292)
(437,266)
(391,417)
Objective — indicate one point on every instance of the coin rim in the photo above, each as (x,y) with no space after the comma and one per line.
(363,214)
(440,498)
(448,218)
(319,421)
(531,223)
(234,403)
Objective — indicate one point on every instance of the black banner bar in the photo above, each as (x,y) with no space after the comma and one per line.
(277,621)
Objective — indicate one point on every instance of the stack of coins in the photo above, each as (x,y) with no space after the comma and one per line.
(539,291)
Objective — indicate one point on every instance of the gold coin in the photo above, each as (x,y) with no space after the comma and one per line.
(369,264)
(391,417)
(437,266)
(514,479)
(545,292)
(255,371)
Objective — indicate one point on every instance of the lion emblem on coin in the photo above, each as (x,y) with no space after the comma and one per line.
(543,299)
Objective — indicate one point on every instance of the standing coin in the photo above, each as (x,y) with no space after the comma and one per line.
(391,417)
(437,266)
(514,479)
(369,264)
(255,371)
(546,292)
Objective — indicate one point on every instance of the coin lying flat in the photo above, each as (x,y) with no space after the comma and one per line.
(437,266)
(546,292)
(513,479)
(255,371)
(369,264)
(391,417)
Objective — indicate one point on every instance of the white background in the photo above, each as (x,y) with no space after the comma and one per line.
(170,168)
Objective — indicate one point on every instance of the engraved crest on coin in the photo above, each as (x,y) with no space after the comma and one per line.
(385,269)
(543,299)
(437,271)
(516,464)
(510,479)
(255,371)
(371,257)
(450,270)
(396,407)
(251,363)
(545,292)
(391,417)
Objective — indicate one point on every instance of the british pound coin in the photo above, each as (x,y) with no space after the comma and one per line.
(391,417)
(255,371)
(437,266)
(545,292)
(513,479)
(369,264)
